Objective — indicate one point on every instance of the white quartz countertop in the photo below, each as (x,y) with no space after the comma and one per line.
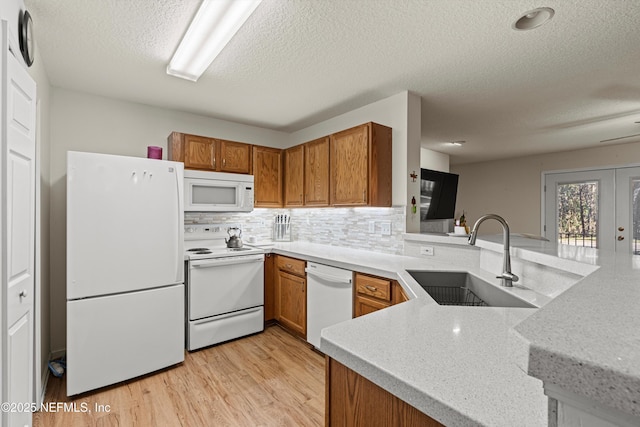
(459,365)
(466,365)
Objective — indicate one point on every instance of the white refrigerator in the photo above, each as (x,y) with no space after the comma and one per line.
(125,268)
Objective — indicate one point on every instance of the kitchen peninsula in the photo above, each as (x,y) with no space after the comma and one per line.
(484,365)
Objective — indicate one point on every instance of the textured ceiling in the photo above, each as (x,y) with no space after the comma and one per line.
(571,83)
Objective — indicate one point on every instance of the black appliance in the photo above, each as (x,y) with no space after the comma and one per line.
(438,191)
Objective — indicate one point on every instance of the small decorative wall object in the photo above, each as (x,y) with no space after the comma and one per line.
(413,176)
(154,152)
(413,205)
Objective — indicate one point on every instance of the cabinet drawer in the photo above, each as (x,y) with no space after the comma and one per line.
(373,286)
(291,265)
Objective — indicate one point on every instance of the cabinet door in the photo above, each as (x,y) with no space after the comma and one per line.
(199,152)
(294,176)
(291,307)
(399,295)
(349,167)
(364,305)
(235,157)
(269,287)
(267,175)
(316,172)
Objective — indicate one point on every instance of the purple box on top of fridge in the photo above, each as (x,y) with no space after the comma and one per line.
(154,152)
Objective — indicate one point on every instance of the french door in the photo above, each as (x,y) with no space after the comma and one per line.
(596,208)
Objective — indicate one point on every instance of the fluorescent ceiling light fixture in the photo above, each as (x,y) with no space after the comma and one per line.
(214,25)
(457,143)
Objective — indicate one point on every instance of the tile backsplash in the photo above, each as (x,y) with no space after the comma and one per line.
(348,227)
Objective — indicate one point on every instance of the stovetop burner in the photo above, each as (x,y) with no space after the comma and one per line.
(197,249)
(202,252)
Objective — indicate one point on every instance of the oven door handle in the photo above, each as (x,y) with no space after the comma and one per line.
(216,262)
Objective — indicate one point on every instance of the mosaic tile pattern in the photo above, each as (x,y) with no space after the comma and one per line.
(347,227)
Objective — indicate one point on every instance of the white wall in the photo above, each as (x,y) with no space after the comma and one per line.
(43,157)
(90,123)
(401,112)
(433,160)
(511,187)
(85,122)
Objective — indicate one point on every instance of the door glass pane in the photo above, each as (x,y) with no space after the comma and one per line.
(578,214)
(635,195)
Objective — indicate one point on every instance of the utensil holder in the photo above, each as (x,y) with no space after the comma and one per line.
(282,232)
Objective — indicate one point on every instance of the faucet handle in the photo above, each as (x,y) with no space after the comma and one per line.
(507,275)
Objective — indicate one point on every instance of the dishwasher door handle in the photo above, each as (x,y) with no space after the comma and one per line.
(327,276)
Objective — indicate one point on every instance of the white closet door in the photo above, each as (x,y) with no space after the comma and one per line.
(18,246)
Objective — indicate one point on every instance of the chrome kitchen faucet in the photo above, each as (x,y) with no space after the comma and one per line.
(507,276)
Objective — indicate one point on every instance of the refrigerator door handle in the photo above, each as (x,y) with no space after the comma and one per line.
(180,246)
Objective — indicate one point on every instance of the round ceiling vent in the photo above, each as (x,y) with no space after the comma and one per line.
(533,18)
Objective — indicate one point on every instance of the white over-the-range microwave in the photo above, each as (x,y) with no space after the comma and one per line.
(217,192)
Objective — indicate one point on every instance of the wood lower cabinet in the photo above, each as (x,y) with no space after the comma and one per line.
(372,293)
(291,295)
(267,175)
(352,400)
(269,287)
(316,172)
(202,153)
(294,176)
(361,166)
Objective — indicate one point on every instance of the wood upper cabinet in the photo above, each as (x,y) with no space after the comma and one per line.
(199,152)
(267,176)
(291,295)
(294,176)
(361,166)
(235,157)
(316,172)
(196,152)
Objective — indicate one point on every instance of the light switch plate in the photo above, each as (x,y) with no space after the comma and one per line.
(372,226)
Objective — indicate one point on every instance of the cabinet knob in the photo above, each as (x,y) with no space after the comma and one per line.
(620,228)
(620,238)
(224,162)
(214,162)
(23,293)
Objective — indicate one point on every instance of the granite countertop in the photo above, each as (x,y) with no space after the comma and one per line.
(456,364)
(469,365)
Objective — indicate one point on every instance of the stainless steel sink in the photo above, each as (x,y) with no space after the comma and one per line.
(461,288)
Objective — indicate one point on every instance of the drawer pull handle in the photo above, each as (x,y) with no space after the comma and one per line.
(371,288)
(224,162)
(23,294)
(288,265)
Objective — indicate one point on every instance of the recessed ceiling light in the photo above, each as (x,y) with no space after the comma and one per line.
(533,18)
(457,143)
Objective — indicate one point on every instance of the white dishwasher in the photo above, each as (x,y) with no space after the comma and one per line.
(329,298)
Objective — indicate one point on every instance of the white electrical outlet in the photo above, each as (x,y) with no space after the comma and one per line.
(426,250)
(372,226)
(385,228)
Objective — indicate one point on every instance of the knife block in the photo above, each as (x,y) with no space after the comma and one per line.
(282,232)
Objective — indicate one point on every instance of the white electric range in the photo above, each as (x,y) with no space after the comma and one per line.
(225,287)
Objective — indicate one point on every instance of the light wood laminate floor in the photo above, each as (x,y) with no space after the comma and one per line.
(268,379)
